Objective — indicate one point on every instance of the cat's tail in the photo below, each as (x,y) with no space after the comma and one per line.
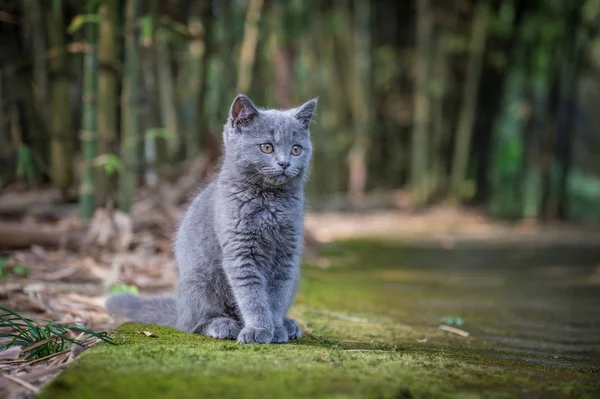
(159,310)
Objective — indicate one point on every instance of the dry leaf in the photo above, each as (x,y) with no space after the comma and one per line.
(110,229)
(147,333)
(11,353)
(91,267)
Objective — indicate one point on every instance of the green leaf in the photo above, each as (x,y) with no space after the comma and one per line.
(81,20)
(452,320)
(110,163)
(20,270)
(146,30)
(124,288)
(157,132)
(25,167)
(16,330)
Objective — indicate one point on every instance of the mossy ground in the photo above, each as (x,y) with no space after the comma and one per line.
(366,318)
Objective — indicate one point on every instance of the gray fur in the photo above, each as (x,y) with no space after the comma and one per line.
(239,245)
(154,310)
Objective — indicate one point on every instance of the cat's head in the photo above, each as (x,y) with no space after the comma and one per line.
(269,147)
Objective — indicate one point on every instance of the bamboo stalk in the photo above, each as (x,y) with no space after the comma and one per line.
(62,141)
(569,89)
(464,130)
(440,124)
(532,184)
(508,131)
(226,82)
(129,120)
(361,102)
(107,96)
(248,50)
(155,150)
(280,49)
(419,144)
(168,111)
(191,80)
(89,133)
(40,72)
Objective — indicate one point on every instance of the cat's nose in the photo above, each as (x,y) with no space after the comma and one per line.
(284,164)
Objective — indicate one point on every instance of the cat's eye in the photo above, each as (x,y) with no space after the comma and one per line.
(267,148)
(296,150)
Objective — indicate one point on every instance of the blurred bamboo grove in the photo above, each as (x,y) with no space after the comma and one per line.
(487,102)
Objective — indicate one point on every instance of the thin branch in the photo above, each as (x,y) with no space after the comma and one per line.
(22,383)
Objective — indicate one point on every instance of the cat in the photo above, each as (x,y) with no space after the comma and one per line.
(239,245)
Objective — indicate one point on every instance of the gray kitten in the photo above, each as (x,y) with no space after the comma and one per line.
(238,248)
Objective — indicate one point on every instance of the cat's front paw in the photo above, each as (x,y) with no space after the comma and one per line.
(255,335)
(223,328)
(281,335)
(293,329)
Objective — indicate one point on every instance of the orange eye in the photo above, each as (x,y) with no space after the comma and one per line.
(296,150)
(266,148)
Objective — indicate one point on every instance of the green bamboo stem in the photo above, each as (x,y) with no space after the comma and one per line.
(61,132)
(569,90)
(439,125)
(464,130)
(89,133)
(325,43)
(34,11)
(191,81)
(155,145)
(107,96)
(129,118)
(248,50)
(532,184)
(419,143)
(166,91)
(361,102)
(223,83)
(280,51)
(508,130)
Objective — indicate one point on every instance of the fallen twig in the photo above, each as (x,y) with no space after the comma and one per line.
(48,357)
(454,330)
(40,343)
(22,383)
(17,235)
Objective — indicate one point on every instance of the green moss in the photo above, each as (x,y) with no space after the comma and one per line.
(365,320)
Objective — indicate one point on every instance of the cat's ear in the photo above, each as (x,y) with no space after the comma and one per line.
(243,111)
(306,112)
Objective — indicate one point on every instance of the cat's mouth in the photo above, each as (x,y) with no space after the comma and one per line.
(279,178)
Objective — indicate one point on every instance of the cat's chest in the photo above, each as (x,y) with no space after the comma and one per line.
(270,218)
